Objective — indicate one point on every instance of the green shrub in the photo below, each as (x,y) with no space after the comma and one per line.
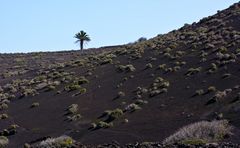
(222,49)
(82,90)
(213,68)
(106,61)
(167,50)
(158,86)
(72,87)
(29,92)
(114,114)
(102,124)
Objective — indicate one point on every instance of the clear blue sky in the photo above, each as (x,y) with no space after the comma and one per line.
(49,25)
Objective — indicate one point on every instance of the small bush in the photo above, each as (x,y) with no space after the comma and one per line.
(72,87)
(203,131)
(3,141)
(162,66)
(220,94)
(35,104)
(74,117)
(82,90)
(3,116)
(132,107)
(141,102)
(154,93)
(192,71)
(114,114)
(212,89)
(106,61)
(3,106)
(60,142)
(199,92)
(126,68)
(81,80)
(14,126)
(149,65)
(72,109)
(29,92)
(120,94)
(101,124)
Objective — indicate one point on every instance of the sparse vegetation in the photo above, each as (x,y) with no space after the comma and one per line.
(186,75)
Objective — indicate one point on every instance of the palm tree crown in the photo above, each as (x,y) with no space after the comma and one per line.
(81,37)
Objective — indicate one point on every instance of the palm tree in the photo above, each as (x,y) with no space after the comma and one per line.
(81,38)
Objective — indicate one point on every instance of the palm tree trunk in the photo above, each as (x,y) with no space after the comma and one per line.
(81,45)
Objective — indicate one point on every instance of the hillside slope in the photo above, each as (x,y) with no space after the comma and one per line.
(153,87)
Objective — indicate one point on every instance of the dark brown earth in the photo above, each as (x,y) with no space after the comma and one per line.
(211,47)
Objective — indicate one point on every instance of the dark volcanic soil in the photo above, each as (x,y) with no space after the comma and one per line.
(191,59)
